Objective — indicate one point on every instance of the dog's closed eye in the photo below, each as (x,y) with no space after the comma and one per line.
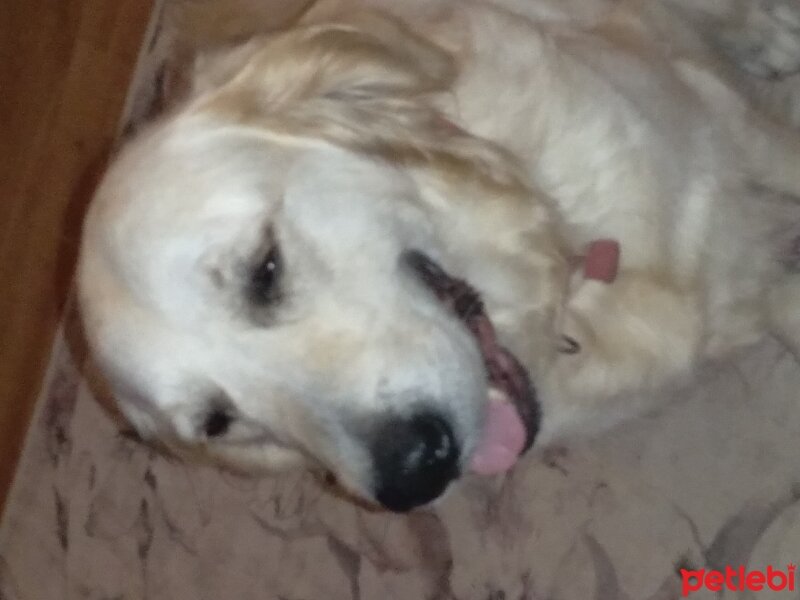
(220,421)
(264,283)
(217,417)
(217,422)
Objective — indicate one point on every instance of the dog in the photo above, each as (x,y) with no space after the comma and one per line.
(396,242)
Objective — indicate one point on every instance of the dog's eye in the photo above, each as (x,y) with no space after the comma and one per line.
(263,288)
(217,423)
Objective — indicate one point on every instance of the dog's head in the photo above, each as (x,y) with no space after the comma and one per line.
(266,277)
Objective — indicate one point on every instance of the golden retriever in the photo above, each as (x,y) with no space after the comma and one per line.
(403,240)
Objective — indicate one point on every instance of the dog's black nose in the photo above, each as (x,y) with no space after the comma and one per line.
(414,459)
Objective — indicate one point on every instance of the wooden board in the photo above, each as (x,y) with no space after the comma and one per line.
(65,68)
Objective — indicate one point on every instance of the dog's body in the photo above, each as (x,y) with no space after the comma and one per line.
(683,180)
(496,139)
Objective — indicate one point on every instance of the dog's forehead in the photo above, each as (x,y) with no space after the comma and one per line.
(177,191)
(349,201)
(183,179)
(338,177)
(196,172)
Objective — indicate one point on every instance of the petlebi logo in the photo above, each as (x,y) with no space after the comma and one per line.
(738,579)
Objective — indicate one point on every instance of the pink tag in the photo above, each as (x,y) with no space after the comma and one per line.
(602,260)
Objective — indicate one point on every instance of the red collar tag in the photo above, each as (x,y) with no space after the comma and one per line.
(602,260)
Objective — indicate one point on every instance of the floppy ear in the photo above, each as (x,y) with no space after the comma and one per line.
(365,55)
(364,82)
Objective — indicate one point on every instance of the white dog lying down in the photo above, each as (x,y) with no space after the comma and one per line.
(353,244)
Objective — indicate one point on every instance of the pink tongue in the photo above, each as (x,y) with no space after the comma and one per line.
(503,439)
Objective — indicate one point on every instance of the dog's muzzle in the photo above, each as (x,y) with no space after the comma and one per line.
(512,414)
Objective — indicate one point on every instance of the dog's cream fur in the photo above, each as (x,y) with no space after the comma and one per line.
(499,137)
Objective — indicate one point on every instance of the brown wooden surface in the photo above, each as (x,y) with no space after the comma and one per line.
(65,66)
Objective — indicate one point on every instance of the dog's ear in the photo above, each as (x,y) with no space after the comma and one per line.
(363,82)
(365,55)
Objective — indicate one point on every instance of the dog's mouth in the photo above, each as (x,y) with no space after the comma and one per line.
(512,419)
